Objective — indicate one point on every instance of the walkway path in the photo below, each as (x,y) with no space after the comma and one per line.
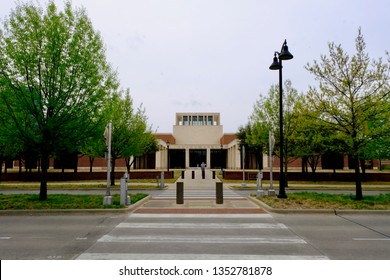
(199,197)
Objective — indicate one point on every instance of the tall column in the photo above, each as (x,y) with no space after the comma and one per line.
(237,157)
(230,159)
(208,157)
(187,157)
(158,159)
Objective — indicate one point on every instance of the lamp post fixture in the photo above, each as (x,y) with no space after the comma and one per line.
(284,54)
(168,153)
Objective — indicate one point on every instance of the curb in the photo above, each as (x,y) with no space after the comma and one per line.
(317,211)
(39,212)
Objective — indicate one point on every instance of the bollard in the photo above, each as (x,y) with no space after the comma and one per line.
(193,174)
(162,183)
(182,174)
(179,193)
(213,174)
(124,198)
(203,174)
(219,192)
(260,191)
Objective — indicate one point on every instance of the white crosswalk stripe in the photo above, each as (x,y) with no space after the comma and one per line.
(203,225)
(126,256)
(202,239)
(201,236)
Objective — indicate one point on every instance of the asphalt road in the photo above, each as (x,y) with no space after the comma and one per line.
(132,236)
(52,237)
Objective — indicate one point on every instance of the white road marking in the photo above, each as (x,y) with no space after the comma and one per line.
(371,239)
(230,216)
(202,239)
(204,225)
(113,256)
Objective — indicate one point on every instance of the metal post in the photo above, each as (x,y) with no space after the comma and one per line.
(260,191)
(271,190)
(107,200)
(219,192)
(179,192)
(124,197)
(284,54)
(282,179)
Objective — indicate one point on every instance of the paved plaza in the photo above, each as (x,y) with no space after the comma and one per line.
(199,197)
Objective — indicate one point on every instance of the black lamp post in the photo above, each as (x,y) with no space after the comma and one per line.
(277,65)
(168,154)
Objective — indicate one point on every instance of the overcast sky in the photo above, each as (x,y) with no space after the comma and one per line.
(213,55)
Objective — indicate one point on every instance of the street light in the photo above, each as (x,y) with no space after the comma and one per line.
(277,65)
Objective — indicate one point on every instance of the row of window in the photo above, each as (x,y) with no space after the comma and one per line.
(198,120)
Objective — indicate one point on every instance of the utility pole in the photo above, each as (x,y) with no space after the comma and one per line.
(107,200)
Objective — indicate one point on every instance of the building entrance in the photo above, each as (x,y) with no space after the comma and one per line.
(177,158)
(197,157)
(218,158)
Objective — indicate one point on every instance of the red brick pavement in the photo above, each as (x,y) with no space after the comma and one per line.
(199,211)
(199,206)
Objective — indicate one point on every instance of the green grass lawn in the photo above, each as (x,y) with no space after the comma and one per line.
(71,186)
(60,201)
(309,200)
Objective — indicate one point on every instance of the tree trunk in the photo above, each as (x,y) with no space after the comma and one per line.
(313,162)
(20,167)
(358,180)
(304,165)
(91,159)
(113,160)
(127,161)
(363,165)
(76,164)
(44,166)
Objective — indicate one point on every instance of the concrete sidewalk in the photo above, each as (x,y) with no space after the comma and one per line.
(199,198)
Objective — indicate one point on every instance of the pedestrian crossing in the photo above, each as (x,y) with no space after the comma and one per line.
(200,236)
(196,193)
(163,230)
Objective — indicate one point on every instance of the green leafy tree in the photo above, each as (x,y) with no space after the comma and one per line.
(311,138)
(54,79)
(254,146)
(255,138)
(142,140)
(130,133)
(265,116)
(352,99)
(94,147)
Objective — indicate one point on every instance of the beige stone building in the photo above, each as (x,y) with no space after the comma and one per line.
(197,138)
